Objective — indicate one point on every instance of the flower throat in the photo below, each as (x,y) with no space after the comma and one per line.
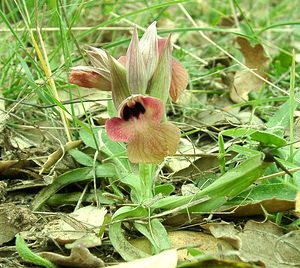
(133,111)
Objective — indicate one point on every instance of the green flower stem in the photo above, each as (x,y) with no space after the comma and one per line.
(146,172)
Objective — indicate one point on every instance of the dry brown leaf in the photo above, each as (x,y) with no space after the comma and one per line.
(183,219)
(80,257)
(229,21)
(203,164)
(244,81)
(288,247)
(165,259)
(261,242)
(6,164)
(226,232)
(179,239)
(14,219)
(82,225)
(271,205)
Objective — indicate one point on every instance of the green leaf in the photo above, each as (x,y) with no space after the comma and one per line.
(261,192)
(116,233)
(158,231)
(111,110)
(88,139)
(73,176)
(281,119)
(81,158)
(237,179)
(52,4)
(154,233)
(242,150)
(227,186)
(165,189)
(115,150)
(98,139)
(134,182)
(265,137)
(246,29)
(237,132)
(27,255)
(194,252)
(73,197)
(268,139)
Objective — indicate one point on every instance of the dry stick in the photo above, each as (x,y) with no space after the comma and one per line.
(175,46)
(228,54)
(281,173)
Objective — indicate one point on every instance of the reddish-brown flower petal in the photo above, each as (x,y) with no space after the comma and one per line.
(179,80)
(154,108)
(161,44)
(89,77)
(118,129)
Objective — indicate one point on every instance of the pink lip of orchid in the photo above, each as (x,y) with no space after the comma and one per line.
(147,68)
(140,125)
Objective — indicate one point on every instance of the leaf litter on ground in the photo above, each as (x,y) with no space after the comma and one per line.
(202,116)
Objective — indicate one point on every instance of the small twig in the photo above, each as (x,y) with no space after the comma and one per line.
(278,174)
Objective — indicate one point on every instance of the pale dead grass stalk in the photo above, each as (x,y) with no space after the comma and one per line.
(43,58)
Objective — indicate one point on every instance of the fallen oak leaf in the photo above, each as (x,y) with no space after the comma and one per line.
(254,56)
(245,81)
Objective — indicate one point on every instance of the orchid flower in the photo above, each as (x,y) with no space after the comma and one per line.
(141,83)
